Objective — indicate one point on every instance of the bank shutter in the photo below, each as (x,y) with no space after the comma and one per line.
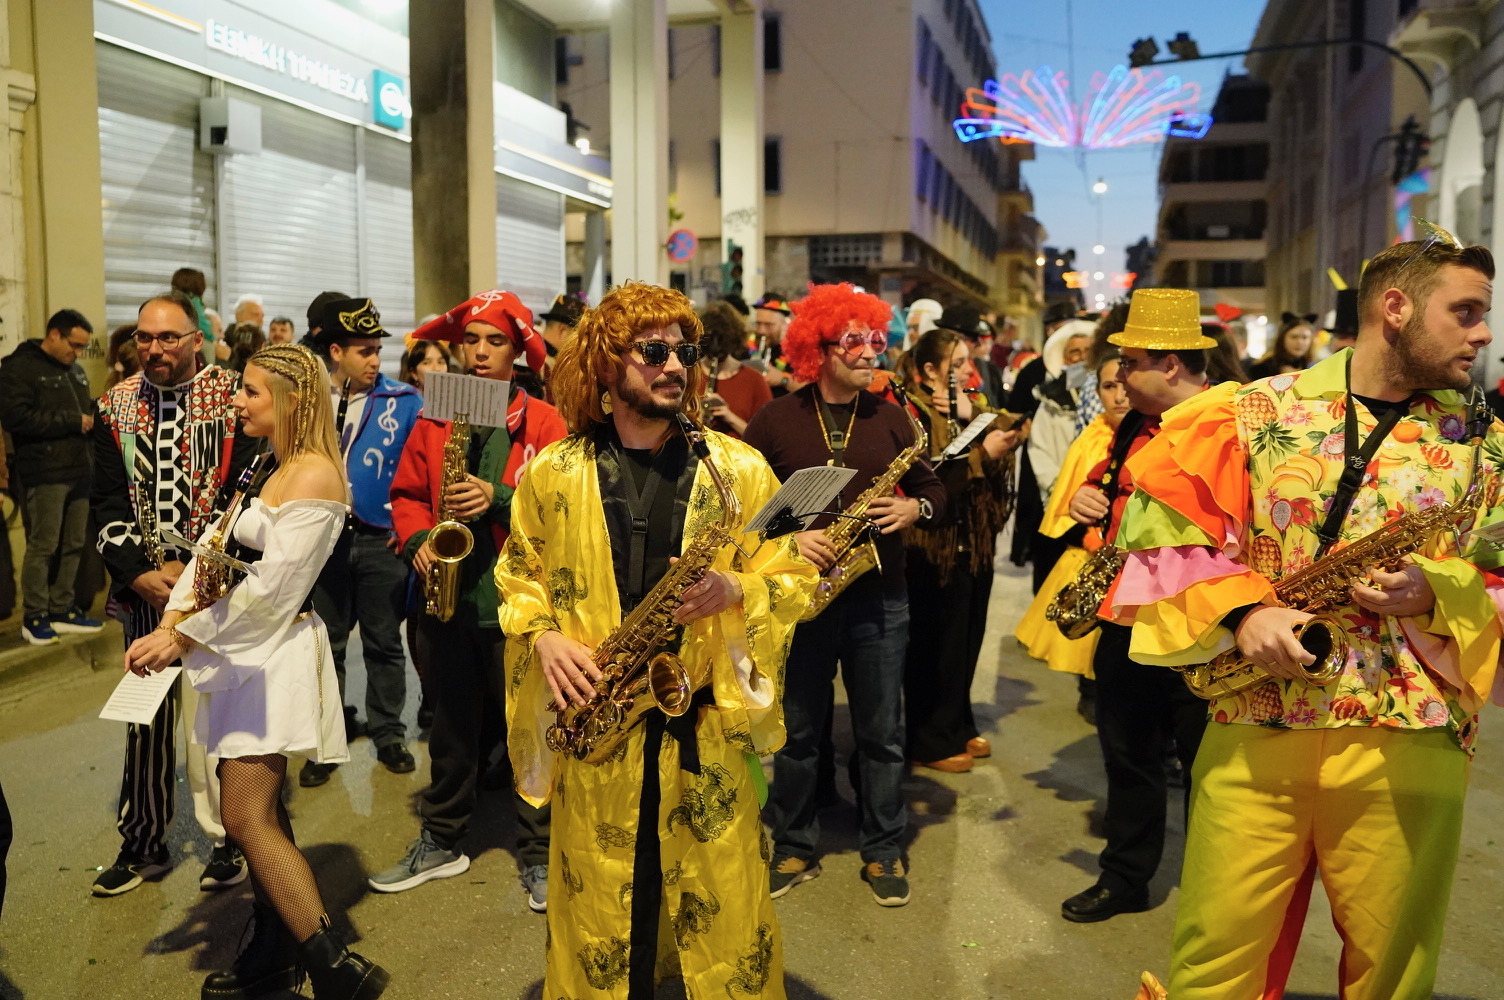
(289,213)
(157,188)
(388,208)
(529,242)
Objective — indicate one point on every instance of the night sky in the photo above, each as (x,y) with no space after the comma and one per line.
(1029,35)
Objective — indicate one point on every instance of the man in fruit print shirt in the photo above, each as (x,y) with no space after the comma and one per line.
(1362,779)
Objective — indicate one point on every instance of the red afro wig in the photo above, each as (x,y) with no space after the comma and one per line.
(821,317)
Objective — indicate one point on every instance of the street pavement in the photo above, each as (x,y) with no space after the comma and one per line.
(993,853)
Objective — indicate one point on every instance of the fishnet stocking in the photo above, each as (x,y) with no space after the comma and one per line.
(254,817)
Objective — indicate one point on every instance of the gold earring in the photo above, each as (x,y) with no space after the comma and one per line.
(606,403)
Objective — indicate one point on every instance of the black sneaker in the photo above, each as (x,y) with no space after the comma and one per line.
(315,774)
(226,867)
(787,872)
(129,871)
(395,758)
(889,881)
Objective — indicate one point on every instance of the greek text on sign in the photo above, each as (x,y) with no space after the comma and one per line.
(279,59)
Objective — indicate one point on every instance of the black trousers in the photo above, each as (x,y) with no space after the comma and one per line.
(465,689)
(946,625)
(5,838)
(1139,709)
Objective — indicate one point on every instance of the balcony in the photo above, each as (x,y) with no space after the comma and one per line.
(1440,32)
(1212,250)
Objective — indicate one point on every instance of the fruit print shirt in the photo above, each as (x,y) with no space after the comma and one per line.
(1230,495)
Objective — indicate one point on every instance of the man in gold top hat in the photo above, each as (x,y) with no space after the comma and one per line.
(1140,709)
(1359,772)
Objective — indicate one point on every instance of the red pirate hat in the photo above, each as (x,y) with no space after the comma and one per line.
(502,310)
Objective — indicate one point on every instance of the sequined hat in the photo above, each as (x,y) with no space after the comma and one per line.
(349,318)
(1163,319)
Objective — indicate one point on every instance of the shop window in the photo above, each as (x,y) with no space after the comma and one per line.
(561,60)
(772,43)
(772,165)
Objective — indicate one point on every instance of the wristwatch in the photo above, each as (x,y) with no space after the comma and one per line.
(926,509)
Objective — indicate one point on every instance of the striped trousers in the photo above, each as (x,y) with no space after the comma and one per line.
(148,787)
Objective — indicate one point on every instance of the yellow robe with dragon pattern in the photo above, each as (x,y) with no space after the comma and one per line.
(717,926)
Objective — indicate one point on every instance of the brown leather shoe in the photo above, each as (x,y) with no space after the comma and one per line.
(955,765)
(978,746)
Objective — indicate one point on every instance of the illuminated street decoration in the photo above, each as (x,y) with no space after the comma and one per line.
(1405,192)
(1123,107)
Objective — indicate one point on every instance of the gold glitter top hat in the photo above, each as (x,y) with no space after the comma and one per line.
(1163,319)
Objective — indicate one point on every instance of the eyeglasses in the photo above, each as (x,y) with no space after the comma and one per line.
(167,340)
(1147,361)
(655,353)
(852,341)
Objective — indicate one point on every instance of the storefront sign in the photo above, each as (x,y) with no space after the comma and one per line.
(391,108)
(280,59)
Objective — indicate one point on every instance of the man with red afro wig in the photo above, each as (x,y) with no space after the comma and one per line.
(833,343)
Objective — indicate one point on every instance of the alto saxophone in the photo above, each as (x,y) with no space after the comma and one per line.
(1326,585)
(450,539)
(1074,609)
(637,673)
(212,580)
(851,535)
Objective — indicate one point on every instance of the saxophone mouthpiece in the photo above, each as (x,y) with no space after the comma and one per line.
(694,434)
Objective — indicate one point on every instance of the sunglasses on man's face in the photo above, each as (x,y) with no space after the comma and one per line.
(655,353)
(852,341)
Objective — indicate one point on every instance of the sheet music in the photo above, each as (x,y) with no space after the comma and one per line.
(136,699)
(483,401)
(973,430)
(177,541)
(807,492)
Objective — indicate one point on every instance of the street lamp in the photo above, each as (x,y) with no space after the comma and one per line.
(1099,249)
(1100,187)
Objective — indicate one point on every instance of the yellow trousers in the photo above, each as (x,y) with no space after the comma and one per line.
(1377,812)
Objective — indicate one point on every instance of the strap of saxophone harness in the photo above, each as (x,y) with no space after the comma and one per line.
(835,438)
(1355,459)
(1123,440)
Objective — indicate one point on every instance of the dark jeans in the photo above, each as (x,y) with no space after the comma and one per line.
(866,633)
(5,837)
(1139,710)
(57,519)
(364,583)
(465,688)
(946,624)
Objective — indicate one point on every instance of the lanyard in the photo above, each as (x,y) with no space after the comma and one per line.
(835,438)
(1355,462)
(1122,441)
(640,506)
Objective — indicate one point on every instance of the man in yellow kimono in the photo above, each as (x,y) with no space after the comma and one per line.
(657,854)
(1361,779)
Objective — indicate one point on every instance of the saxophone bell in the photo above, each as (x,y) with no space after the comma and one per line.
(450,540)
(1231,673)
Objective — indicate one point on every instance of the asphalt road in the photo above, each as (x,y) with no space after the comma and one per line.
(993,854)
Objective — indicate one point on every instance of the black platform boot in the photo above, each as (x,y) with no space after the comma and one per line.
(267,964)
(338,973)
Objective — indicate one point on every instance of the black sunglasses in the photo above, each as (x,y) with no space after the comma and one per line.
(655,353)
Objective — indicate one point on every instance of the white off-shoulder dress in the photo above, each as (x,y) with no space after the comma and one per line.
(265,670)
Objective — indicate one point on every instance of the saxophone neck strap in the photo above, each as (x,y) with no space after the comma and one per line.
(1122,441)
(640,508)
(1355,458)
(836,439)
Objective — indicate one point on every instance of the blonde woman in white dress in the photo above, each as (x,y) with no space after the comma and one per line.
(259,657)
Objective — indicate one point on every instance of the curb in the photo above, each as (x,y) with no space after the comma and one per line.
(26,667)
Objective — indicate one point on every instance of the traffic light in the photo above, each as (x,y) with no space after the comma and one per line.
(731,269)
(1183,46)
(1143,52)
(1411,146)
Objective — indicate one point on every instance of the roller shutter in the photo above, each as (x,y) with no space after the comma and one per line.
(158,189)
(388,206)
(289,213)
(529,242)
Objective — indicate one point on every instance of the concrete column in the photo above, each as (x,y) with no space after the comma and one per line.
(20,92)
(595,255)
(59,183)
(452,64)
(639,140)
(742,145)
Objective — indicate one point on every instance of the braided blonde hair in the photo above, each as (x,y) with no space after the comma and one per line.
(303,420)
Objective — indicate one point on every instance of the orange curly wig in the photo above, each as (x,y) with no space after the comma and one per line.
(579,373)
(821,317)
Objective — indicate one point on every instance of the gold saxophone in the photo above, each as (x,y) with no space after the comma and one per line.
(852,535)
(1074,609)
(637,674)
(212,580)
(1326,585)
(450,539)
(146,511)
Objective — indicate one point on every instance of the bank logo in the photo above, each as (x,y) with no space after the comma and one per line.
(390,109)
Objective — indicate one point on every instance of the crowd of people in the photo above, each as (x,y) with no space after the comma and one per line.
(583,606)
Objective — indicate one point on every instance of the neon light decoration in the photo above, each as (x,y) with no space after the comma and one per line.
(1123,107)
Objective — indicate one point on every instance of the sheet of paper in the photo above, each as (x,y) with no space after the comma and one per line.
(174,540)
(482,401)
(973,430)
(807,493)
(136,699)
